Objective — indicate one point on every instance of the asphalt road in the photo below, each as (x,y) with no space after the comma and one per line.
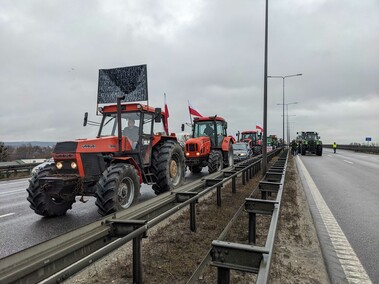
(21,228)
(349,184)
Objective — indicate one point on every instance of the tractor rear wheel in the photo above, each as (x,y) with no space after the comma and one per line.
(117,189)
(168,166)
(303,150)
(319,150)
(40,201)
(215,162)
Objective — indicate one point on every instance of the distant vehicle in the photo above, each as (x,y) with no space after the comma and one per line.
(254,140)
(310,142)
(241,151)
(210,145)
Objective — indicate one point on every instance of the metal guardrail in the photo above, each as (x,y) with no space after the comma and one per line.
(249,257)
(7,171)
(57,259)
(356,148)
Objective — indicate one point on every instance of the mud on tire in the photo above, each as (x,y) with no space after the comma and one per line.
(41,202)
(117,189)
(168,166)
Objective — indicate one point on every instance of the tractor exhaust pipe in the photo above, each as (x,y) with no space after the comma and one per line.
(119,130)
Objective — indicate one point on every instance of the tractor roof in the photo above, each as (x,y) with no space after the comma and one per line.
(208,118)
(249,131)
(129,107)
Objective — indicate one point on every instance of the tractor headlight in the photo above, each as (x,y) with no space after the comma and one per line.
(73,165)
(59,165)
(187,153)
(197,153)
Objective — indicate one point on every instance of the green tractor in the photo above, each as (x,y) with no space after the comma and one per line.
(310,142)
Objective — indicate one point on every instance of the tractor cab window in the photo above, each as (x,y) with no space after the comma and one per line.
(109,125)
(221,133)
(310,136)
(205,128)
(130,125)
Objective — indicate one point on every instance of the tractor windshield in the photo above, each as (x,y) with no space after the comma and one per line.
(252,136)
(129,124)
(215,130)
(310,136)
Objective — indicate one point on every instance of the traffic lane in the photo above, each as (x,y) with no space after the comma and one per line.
(21,228)
(369,161)
(352,194)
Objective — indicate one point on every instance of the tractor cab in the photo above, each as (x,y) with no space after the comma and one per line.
(138,124)
(215,129)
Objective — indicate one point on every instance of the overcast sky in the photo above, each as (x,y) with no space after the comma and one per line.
(208,52)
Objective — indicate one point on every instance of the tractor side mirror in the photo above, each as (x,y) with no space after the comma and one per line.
(85,119)
(158,115)
(182,127)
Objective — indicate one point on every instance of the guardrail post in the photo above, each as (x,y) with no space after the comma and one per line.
(243,177)
(233,184)
(219,196)
(137,260)
(252,228)
(184,196)
(223,275)
(122,228)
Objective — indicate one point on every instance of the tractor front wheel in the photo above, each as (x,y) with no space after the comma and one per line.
(117,189)
(40,201)
(319,150)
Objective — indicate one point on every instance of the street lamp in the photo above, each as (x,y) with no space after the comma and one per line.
(284,77)
(288,131)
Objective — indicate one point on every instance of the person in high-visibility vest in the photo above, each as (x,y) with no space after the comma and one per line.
(334,147)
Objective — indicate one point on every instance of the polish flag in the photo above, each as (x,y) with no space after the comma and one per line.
(258,126)
(166,115)
(193,111)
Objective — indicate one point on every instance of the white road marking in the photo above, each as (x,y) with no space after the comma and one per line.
(349,162)
(5,215)
(354,271)
(11,192)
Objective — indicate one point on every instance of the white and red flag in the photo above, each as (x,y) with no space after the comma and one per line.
(259,126)
(193,111)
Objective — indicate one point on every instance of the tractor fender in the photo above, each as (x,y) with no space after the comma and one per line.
(161,138)
(226,143)
(128,160)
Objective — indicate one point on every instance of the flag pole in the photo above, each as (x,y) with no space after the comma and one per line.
(189,113)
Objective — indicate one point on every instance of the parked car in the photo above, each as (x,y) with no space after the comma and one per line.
(241,152)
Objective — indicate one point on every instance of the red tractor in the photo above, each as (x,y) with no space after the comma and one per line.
(210,146)
(254,139)
(112,166)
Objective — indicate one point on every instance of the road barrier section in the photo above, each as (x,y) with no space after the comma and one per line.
(57,259)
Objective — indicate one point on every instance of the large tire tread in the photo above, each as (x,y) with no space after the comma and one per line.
(108,185)
(163,155)
(215,161)
(40,201)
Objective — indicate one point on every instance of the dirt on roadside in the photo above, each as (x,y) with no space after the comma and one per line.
(171,252)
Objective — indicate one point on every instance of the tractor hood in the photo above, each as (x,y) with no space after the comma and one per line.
(103,145)
(201,145)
